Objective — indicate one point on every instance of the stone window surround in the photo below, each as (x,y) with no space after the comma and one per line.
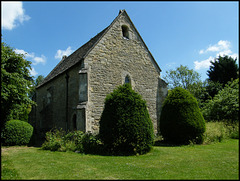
(127,74)
(125,32)
(127,79)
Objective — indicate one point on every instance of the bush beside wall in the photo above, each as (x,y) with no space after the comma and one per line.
(125,124)
(16,132)
(181,121)
(76,141)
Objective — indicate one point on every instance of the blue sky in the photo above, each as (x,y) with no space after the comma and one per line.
(176,33)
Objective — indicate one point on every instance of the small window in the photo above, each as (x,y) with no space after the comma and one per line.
(125,31)
(127,80)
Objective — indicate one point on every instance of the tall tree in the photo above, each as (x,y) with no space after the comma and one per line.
(15,84)
(183,77)
(37,82)
(223,69)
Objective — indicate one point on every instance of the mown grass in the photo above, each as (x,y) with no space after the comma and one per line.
(214,161)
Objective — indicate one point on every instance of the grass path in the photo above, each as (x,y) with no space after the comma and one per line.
(215,161)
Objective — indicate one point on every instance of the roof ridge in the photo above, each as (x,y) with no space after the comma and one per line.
(84,50)
(87,46)
(106,30)
(94,42)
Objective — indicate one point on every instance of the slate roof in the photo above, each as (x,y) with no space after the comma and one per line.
(80,53)
(72,59)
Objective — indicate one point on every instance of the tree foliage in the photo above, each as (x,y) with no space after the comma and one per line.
(183,77)
(225,105)
(36,82)
(223,69)
(212,88)
(16,83)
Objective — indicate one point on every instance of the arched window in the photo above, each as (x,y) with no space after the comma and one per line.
(127,79)
(125,31)
(74,121)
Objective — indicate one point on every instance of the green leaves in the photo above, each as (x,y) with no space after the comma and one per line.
(15,83)
(225,105)
(223,69)
(183,77)
(17,132)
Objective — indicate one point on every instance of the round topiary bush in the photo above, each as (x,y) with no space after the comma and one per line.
(181,121)
(125,124)
(16,132)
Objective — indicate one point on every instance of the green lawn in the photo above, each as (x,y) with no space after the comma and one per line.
(215,161)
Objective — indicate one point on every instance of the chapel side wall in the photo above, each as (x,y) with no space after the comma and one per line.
(51,102)
(110,61)
(50,110)
(73,92)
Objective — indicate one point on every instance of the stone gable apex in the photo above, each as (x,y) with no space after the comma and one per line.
(124,13)
(154,61)
(79,55)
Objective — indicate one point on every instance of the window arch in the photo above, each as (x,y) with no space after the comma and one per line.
(125,31)
(127,79)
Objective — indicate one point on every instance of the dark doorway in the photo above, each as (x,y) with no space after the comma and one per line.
(74,121)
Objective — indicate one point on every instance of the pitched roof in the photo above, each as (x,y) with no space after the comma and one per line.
(72,59)
(83,51)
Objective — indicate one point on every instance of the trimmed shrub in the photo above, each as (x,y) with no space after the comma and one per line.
(181,121)
(16,132)
(125,124)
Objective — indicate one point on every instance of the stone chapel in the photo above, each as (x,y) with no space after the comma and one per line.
(72,95)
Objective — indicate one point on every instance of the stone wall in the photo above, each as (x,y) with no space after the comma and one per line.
(111,60)
(51,100)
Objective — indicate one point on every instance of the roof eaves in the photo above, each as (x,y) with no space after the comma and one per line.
(52,75)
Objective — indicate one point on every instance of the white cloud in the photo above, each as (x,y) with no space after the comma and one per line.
(235,56)
(38,60)
(60,53)
(201,51)
(35,60)
(222,45)
(27,55)
(203,64)
(222,48)
(223,53)
(12,14)
(33,72)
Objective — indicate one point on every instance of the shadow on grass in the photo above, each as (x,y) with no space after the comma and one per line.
(163,143)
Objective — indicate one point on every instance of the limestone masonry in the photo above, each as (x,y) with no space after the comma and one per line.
(72,95)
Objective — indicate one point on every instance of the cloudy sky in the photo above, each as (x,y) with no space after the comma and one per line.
(176,33)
